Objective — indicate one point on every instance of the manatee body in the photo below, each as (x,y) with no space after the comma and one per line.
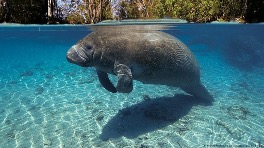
(152,57)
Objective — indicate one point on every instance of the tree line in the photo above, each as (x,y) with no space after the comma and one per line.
(94,11)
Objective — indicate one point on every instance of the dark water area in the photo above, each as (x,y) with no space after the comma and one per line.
(47,102)
(240,45)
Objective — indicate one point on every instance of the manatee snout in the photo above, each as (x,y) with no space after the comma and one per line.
(80,56)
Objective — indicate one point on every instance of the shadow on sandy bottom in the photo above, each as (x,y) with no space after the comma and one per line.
(148,116)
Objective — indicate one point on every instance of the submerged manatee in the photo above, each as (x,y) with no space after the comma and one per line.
(149,56)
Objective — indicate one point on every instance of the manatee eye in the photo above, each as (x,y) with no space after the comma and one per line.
(88,47)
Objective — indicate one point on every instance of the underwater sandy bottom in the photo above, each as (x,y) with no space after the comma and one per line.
(56,104)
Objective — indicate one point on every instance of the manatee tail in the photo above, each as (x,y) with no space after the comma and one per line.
(199,91)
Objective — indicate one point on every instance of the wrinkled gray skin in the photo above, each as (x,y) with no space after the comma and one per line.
(152,57)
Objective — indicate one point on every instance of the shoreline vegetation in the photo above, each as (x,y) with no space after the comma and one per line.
(128,22)
(95,11)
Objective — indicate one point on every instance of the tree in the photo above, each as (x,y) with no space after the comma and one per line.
(51,7)
(151,8)
(141,9)
(98,9)
(27,11)
(75,12)
(128,9)
(94,11)
(191,10)
(87,11)
(2,3)
(107,10)
(231,9)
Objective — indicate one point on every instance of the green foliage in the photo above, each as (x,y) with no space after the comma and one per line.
(231,9)
(88,11)
(202,11)
(141,9)
(154,9)
(107,12)
(98,10)
(191,10)
(79,16)
(93,11)
(129,9)
(75,18)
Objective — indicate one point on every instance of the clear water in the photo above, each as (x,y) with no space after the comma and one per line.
(47,102)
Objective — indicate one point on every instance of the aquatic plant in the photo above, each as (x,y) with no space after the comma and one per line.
(25,100)
(47,142)
(86,80)
(34,108)
(234,132)
(8,122)
(70,74)
(77,101)
(16,111)
(238,112)
(10,136)
(181,130)
(39,66)
(99,118)
(13,82)
(39,90)
(49,76)
(26,73)
(146,98)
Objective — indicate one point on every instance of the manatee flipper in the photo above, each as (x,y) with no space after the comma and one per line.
(124,74)
(198,91)
(105,82)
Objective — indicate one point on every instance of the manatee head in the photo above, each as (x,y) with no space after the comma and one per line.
(81,54)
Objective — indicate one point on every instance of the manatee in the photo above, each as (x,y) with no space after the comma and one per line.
(149,56)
